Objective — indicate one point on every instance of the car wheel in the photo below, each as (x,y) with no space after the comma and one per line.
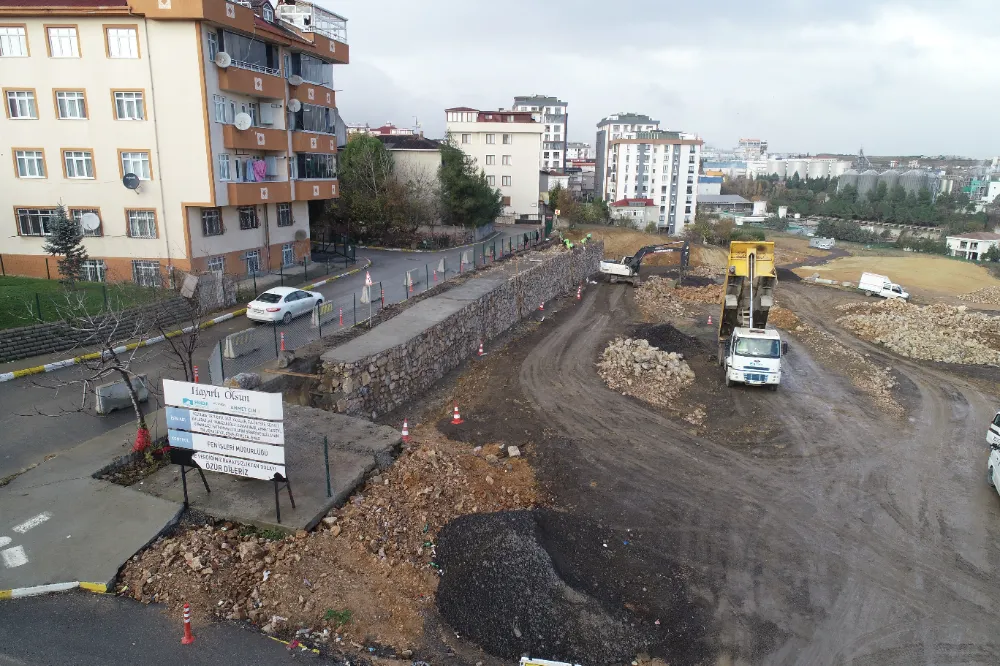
(868,293)
(989,477)
(287,319)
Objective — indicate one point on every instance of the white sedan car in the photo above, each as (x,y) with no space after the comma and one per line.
(282,304)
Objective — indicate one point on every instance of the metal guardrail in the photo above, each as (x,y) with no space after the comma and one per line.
(260,69)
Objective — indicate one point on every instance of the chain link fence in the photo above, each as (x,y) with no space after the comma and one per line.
(250,349)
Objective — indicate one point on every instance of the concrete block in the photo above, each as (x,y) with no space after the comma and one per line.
(240,343)
(115,395)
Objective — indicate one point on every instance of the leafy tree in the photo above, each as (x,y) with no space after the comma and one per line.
(992,254)
(66,242)
(466,198)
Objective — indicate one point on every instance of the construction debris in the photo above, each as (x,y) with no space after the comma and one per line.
(639,369)
(659,298)
(986,295)
(935,332)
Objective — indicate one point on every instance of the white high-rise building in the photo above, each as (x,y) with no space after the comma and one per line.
(638,160)
(506,145)
(555,118)
(577,150)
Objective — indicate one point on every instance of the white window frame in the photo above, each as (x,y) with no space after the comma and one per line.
(30,163)
(505,182)
(491,181)
(213,217)
(268,12)
(68,101)
(506,160)
(225,167)
(13,41)
(508,139)
(64,42)
(491,138)
(213,44)
(25,107)
(491,159)
(77,214)
(93,270)
(466,138)
(126,100)
(123,43)
(141,223)
(77,162)
(285,215)
(37,219)
(288,251)
(219,103)
(138,158)
(217,264)
(146,273)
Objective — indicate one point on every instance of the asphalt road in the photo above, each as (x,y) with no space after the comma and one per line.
(40,416)
(82,629)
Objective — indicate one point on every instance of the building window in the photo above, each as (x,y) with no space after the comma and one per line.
(253,261)
(219,102)
(137,163)
(217,264)
(78,213)
(506,160)
(71,105)
(491,181)
(141,223)
(34,221)
(211,222)
(284,215)
(506,181)
(546,155)
(313,118)
(93,270)
(315,165)
(13,42)
(79,163)
(30,163)
(225,172)
(146,273)
(506,139)
(491,138)
(248,217)
(213,45)
(491,159)
(63,43)
(555,155)
(505,201)
(466,138)
(122,43)
(287,254)
(129,105)
(21,104)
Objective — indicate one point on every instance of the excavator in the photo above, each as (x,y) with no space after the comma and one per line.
(627,270)
(749,352)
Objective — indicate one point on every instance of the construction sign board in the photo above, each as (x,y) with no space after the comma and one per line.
(205,397)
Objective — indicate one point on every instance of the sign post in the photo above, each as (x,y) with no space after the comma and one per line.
(229,431)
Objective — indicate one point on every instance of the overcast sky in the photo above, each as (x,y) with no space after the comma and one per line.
(902,77)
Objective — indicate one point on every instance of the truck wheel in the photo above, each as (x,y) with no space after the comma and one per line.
(729,382)
(868,293)
(613,280)
(773,387)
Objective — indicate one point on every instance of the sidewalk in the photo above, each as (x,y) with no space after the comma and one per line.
(61,526)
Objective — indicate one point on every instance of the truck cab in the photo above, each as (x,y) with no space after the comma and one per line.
(753,357)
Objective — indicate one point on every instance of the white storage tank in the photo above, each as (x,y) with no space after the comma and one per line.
(776,166)
(819,168)
(867,180)
(797,167)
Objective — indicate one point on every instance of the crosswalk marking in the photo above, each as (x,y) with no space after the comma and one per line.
(32,522)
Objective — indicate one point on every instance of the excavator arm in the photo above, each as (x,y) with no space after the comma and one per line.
(683,247)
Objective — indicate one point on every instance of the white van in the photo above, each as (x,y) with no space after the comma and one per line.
(993,441)
(880,285)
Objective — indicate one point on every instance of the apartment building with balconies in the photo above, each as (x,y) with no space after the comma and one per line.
(554,116)
(223,111)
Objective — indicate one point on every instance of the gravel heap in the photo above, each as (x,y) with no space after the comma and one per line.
(658,297)
(935,332)
(500,589)
(639,369)
(988,295)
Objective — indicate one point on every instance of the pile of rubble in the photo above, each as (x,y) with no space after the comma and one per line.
(987,295)
(658,298)
(368,573)
(935,332)
(639,369)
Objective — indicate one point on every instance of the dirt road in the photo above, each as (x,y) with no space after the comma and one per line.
(841,536)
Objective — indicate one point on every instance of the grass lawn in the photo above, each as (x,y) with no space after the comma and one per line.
(20,298)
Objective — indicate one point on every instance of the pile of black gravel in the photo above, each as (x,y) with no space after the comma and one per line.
(666,337)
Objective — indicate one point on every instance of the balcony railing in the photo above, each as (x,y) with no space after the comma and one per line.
(245,3)
(253,67)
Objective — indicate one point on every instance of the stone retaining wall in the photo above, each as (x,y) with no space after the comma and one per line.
(28,341)
(379,383)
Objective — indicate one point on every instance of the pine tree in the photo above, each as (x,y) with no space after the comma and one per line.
(66,241)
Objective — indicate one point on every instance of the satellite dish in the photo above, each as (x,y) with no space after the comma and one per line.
(295,80)
(294,105)
(300,234)
(223,59)
(90,222)
(242,121)
(131,181)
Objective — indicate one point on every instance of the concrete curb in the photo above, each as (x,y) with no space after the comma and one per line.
(58,365)
(34,591)
(446,249)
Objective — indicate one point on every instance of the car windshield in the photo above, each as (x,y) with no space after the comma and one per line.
(758,347)
(268,297)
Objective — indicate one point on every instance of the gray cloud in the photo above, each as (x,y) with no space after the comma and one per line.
(910,76)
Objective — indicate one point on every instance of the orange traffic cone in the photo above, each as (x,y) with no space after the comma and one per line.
(406,431)
(481,348)
(456,419)
(188,637)
(709,320)
(541,306)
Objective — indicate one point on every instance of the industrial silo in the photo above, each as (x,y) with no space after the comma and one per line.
(867,180)
(913,180)
(847,179)
(797,167)
(776,166)
(838,168)
(818,168)
(890,178)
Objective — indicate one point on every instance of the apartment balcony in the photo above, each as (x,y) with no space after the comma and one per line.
(326,30)
(310,93)
(251,194)
(313,142)
(234,14)
(253,80)
(313,189)
(255,138)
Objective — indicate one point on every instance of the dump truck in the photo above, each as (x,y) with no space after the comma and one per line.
(627,270)
(750,352)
